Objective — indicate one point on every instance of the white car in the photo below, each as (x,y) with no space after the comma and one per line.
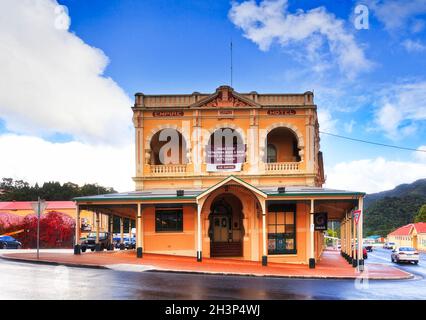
(405,254)
(389,245)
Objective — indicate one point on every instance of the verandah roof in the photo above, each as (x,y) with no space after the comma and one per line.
(192,194)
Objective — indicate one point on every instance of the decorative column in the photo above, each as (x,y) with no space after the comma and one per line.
(360,234)
(348,238)
(139,233)
(354,249)
(199,249)
(98,247)
(121,233)
(264,246)
(312,236)
(77,230)
(110,231)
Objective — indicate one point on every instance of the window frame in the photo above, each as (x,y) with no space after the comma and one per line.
(272,146)
(167,210)
(285,208)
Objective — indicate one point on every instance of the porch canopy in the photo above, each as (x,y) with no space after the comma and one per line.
(339,205)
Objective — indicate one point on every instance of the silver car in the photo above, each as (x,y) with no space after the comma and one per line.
(405,254)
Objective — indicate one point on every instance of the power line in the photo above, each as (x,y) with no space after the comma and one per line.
(371,142)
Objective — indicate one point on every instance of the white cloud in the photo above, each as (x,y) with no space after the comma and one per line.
(52,81)
(349,126)
(373,175)
(326,120)
(420,156)
(36,160)
(414,45)
(402,109)
(269,22)
(399,14)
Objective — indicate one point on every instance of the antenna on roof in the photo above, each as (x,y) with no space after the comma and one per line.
(231,63)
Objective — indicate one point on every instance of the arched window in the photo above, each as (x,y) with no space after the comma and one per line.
(271,153)
(225,146)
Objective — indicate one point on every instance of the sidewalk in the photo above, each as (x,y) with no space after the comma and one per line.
(332,265)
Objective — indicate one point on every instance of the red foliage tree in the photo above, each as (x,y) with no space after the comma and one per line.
(56,231)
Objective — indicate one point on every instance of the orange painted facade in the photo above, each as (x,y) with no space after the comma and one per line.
(231,202)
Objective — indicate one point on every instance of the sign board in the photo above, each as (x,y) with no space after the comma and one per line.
(281,112)
(168,114)
(43,206)
(225,113)
(320,221)
(213,167)
(226,158)
(356,214)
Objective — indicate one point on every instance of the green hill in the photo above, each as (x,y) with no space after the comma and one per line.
(388,210)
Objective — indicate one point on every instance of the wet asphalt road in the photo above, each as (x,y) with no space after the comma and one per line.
(37,281)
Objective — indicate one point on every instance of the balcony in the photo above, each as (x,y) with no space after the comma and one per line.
(168,170)
(281,167)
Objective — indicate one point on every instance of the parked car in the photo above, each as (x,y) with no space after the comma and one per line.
(128,244)
(90,242)
(389,245)
(8,242)
(405,254)
(369,248)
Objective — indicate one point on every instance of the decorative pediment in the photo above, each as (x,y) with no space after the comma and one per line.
(225,97)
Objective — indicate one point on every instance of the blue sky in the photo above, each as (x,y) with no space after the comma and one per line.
(368,84)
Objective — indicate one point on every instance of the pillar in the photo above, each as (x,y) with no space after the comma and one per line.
(139,232)
(199,248)
(264,245)
(77,230)
(350,238)
(360,235)
(312,236)
(110,231)
(98,248)
(121,233)
(354,250)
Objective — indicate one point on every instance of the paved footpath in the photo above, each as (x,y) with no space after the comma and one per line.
(332,265)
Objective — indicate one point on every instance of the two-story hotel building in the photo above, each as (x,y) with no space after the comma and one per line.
(230,174)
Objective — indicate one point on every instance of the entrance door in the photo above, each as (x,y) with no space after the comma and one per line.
(221,228)
(222,242)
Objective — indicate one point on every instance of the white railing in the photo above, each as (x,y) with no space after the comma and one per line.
(282,166)
(168,169)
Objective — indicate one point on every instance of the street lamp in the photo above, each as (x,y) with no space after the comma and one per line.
(39,208)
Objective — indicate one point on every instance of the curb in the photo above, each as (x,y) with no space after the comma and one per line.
(158,270)
(53,263)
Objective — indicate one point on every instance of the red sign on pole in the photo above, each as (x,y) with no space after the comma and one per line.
(356,215)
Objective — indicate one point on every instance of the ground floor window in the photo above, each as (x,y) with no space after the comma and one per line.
(168,219)
(281,229)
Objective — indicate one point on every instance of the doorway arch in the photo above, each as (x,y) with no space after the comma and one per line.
(226,230)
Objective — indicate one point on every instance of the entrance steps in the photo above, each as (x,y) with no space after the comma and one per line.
(226,249)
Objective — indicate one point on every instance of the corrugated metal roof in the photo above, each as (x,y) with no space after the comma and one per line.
(193,193)
(26,205)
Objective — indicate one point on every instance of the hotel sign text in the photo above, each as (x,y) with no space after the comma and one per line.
(168,114)
(281,112)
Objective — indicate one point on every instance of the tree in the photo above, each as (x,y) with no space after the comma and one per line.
(421,215)
(56,231)
(19,190)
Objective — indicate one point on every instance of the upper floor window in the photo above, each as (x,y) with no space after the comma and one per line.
(225,146)
(285,143)
(271,154)
(168,146)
